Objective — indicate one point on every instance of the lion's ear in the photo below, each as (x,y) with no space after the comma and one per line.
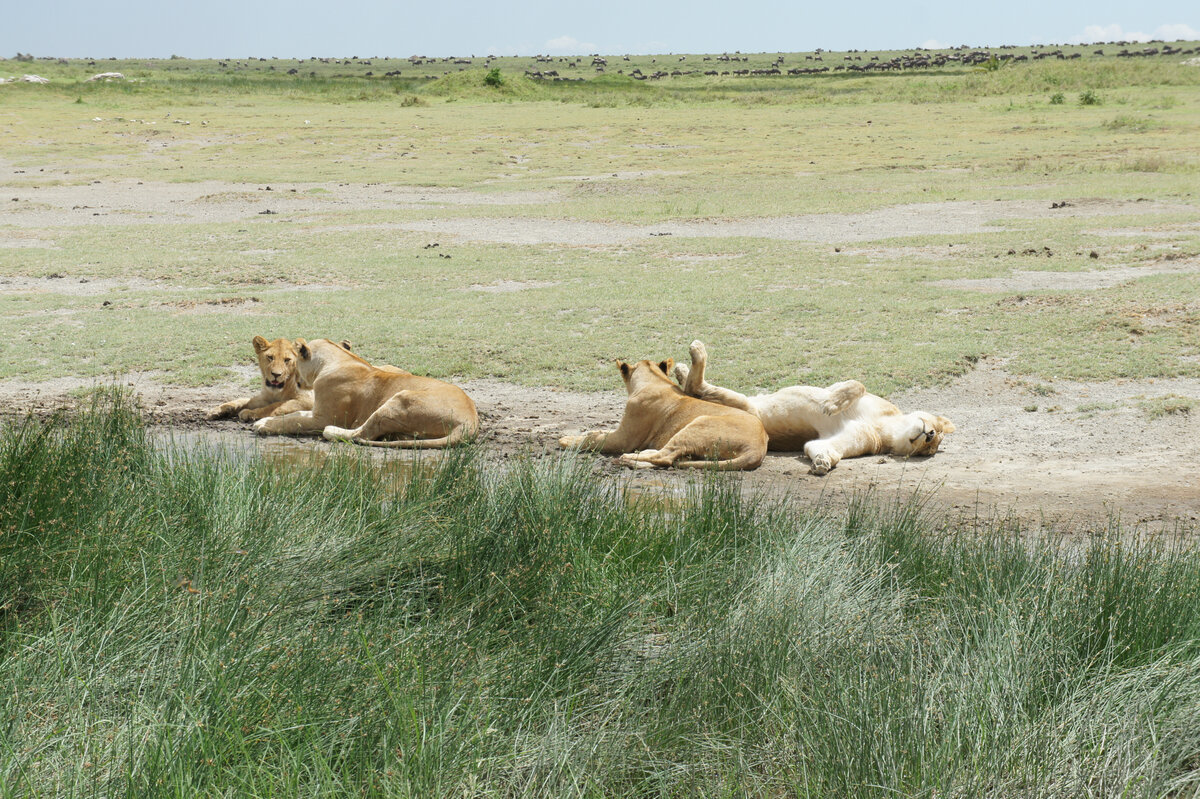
(346,346)
(260,343)
(946,425)
(302,349)
(624,367)
(666,366)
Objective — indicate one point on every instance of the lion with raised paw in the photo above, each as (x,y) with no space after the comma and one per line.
(379,406)
(662,426)
(841,421)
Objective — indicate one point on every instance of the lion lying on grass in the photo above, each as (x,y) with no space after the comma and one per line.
(280,394)
(664,427)
(841,421)
(355,401)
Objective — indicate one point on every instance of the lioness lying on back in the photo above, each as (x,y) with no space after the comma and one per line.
(280,393)
(841,421)
(355,401)
(664,427)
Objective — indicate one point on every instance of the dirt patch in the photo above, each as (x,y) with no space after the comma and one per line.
(116,202)
(66,285)
(226,304)
(12,242)
(508,286)
(1061,455)
(1070,281)
(918,219)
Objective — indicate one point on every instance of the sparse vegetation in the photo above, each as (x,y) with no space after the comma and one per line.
(1129,123)
(188,623)
(1167,405)
(690,160)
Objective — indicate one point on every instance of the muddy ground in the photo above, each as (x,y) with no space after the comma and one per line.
(1089,451)
(1063,455)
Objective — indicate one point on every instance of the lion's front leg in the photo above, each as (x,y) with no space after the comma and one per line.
(299,423)
(231,408)
(854,440)
(274,409)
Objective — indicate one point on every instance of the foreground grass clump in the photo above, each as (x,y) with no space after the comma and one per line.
(185,623)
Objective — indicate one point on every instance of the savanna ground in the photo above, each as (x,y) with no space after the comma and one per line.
(1016,247)
(896,228)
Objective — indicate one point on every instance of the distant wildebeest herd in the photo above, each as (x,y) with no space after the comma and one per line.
(322,387)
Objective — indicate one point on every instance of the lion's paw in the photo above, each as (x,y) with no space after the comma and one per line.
(821,464)
(334,433)
(681,373)
(249,416)
(570,442)
(630,459)
(260,427)
(698,352)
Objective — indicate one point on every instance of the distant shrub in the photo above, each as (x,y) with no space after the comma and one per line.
(1057,98)
(493,78)
(412,100)
(1089,97)
(1131,123)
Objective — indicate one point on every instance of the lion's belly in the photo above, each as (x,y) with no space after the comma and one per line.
(788,418)
(789,436)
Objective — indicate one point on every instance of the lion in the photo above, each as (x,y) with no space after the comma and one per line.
(281,393)
(662,426)
(363,404)
(841,421)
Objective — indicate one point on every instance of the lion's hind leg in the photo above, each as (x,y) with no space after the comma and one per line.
(646,459)
(406,415)
(709,442)
(292,424)
(841,396)
(692,382)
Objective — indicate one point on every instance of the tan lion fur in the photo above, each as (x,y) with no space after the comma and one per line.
(280,393)
(841,421)
(662,426)
(355,401)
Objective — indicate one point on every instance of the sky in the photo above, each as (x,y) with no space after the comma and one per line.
(365,28)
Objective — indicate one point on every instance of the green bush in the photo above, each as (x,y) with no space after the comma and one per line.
(493,78)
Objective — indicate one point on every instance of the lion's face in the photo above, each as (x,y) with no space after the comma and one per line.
(924,434)
(276,361)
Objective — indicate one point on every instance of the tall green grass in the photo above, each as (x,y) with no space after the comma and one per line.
(191,624)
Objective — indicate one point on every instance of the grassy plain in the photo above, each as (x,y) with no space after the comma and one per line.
(608,150)
(182,623)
